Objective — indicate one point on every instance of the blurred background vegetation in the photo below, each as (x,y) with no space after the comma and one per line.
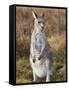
(55,31)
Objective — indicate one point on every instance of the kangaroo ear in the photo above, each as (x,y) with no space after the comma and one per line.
(34,15)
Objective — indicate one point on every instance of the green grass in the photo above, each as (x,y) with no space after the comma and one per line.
(59,66)
(23,71)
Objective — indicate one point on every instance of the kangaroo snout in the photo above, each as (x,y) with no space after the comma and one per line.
(42,26)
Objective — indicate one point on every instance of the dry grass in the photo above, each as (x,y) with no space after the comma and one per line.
(58,41)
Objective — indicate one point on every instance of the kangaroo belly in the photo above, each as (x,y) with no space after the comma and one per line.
(40,70)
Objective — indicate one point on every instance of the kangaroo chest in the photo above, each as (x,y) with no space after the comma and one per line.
(37,42)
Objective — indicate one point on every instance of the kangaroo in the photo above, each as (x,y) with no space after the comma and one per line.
(40,50)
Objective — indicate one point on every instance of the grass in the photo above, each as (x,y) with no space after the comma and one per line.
(23,70)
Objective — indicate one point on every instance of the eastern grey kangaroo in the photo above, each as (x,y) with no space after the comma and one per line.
(40,50)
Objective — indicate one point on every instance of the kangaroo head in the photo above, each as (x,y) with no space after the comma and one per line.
(38,21)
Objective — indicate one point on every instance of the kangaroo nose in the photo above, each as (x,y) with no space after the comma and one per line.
(33,60)
(42,25)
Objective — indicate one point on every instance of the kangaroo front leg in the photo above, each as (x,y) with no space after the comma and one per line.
(48,71)
(34,77)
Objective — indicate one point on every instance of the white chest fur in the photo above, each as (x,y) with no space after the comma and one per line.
(37,43)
